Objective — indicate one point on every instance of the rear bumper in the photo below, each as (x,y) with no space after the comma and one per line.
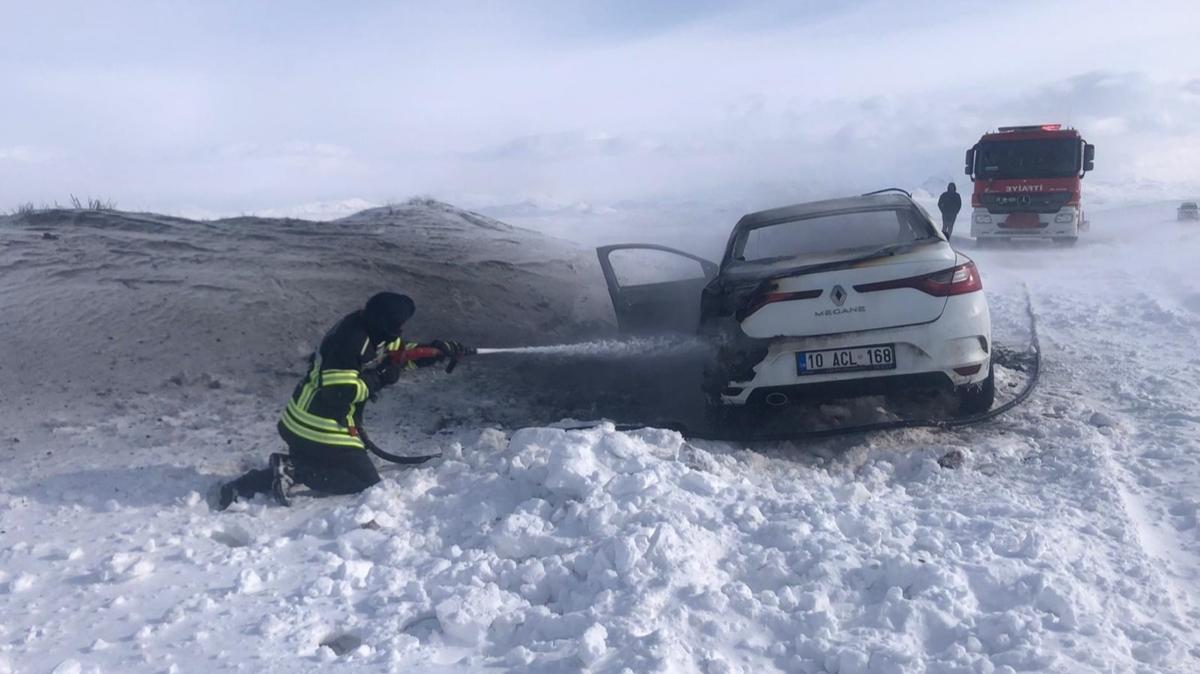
(1066,223)
(901,383)
(926,356)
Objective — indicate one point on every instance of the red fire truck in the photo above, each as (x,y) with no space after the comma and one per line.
(1027,183)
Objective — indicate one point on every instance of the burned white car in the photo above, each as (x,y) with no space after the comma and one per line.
(840,297)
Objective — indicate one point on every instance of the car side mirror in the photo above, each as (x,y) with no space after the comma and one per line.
(1089,157)
(970,163)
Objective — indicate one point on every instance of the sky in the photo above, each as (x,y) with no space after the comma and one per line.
(238,107)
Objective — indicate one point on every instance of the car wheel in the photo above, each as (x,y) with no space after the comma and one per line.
(977,398)
(1066,240)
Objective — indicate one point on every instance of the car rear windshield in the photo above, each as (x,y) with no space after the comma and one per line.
(1188,205)
(853,232)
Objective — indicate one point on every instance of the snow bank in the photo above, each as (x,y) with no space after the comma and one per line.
(609,550)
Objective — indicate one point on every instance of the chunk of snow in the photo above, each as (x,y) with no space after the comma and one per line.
(699,483)
(249,582)
(467,616)
(593,644)
(123,566)
(23,582)
(356,571)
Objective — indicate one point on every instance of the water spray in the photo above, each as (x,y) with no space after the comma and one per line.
(604,348)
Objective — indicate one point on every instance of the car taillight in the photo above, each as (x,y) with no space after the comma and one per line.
(759,301)
(959,280)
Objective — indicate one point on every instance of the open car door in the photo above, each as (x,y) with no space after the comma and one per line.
(655,289)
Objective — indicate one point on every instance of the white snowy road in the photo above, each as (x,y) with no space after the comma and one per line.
(1068,542)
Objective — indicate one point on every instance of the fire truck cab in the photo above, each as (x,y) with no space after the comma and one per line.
(1027,183)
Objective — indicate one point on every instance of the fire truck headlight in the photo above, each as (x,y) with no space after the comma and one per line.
(1064,217)
(983,219)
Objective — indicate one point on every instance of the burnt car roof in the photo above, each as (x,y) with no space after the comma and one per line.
(814,208)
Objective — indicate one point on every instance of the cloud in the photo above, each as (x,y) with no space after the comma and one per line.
(561,146)
(292,150)
(236,106)
(27,154)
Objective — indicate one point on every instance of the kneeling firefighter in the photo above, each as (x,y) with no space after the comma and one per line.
(322,423)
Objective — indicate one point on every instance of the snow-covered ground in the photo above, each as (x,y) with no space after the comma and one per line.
(145,360)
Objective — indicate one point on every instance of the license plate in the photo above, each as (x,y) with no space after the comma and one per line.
(878,357)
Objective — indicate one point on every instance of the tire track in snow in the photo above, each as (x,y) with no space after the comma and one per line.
(1149,442)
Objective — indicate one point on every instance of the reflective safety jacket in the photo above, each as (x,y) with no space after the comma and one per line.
(326,406)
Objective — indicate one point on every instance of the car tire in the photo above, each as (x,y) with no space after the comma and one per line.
(978,398)
(1066,241)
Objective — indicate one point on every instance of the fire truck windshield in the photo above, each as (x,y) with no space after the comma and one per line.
(1009,159)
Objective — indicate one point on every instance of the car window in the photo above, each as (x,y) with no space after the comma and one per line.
(641,266)
(856,231)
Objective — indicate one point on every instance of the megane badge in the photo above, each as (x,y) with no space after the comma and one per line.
(838,295)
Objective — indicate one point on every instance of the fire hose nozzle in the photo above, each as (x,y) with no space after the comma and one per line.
(405,356)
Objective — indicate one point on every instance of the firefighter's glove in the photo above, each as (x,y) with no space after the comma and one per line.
(451,351)
(379,377)
(389,374)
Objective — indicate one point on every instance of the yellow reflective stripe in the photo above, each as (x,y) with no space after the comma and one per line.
(338,377)
(312,419)
(321,426)
(306,395)
(318,424)
(321,437)
(310,383)
(346,378)
(324,430)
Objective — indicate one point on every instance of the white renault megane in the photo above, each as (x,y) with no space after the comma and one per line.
(829,298)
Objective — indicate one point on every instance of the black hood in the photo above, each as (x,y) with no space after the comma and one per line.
(385,315)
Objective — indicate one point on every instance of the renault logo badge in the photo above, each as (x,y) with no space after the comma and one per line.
(838,295)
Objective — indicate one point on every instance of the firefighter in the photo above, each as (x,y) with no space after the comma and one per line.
(950,203)
(321,421)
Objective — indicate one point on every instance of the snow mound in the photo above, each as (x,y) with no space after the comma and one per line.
(557,549)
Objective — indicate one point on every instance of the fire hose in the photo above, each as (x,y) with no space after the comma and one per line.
(401,358)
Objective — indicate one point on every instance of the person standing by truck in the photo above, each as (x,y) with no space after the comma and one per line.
(950,203)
